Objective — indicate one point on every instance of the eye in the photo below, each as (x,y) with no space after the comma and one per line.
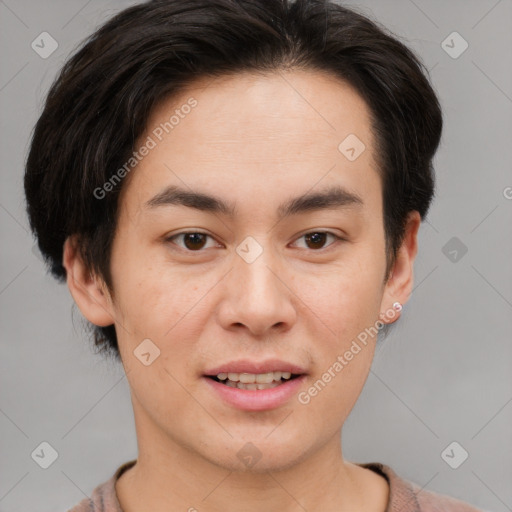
(193,241)
(316,239)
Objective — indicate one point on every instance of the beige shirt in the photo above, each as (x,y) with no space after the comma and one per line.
(404,496)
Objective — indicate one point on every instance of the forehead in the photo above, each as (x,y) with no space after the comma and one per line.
(260,109)
(252,132)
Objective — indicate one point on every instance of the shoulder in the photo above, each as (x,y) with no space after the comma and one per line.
(84,506)
(433,502)
(100,501)
(104,497)
(406,495)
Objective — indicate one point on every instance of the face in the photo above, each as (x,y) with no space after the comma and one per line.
(250,242)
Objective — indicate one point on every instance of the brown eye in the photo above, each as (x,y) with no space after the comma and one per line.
(316,240)
(194,241)
(191,241)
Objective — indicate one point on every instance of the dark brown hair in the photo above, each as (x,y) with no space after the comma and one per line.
(99,104)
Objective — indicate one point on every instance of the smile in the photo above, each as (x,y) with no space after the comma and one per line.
(254,381)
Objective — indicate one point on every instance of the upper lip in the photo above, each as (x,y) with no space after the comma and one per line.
(247,366)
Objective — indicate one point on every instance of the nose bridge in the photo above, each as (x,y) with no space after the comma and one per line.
(257,297)
(253,267)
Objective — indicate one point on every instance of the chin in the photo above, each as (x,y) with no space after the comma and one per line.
(259,455)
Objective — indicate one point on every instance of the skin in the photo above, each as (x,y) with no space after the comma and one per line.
(264,139)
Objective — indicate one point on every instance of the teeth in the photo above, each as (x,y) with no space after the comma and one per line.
(241,385)
(267,378)
(248,378)
(252,378)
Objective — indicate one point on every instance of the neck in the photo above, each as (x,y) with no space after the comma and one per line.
(169,476)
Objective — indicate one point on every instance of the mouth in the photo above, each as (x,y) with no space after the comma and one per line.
(254,381)
(255,385)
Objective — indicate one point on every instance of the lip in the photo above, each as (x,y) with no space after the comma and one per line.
(256,400)
(247,366)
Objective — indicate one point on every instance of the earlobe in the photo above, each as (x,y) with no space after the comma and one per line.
(400,283)
(88,292)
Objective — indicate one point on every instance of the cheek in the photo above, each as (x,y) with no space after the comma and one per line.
(150,295)
(157,308)
(166,305)
(345,299)
(344,347)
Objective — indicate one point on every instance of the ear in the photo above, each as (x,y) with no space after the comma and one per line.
(399,285)
(90,293)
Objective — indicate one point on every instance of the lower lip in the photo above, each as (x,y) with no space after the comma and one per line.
(257,399)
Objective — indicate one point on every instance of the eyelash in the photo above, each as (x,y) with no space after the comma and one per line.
(337,239)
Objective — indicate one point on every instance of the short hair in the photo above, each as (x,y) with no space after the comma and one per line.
(99,104)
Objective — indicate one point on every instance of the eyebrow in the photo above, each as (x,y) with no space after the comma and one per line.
(334,197)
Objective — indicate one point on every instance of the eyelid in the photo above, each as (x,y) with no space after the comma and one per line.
(169,238)
(338,238)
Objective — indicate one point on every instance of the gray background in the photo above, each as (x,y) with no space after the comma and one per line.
(444,373)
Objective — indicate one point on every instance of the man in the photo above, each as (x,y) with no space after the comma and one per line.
(233,191)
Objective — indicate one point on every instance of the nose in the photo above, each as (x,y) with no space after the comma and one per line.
(258,297)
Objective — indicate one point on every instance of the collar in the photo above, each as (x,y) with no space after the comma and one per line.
(402,496)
